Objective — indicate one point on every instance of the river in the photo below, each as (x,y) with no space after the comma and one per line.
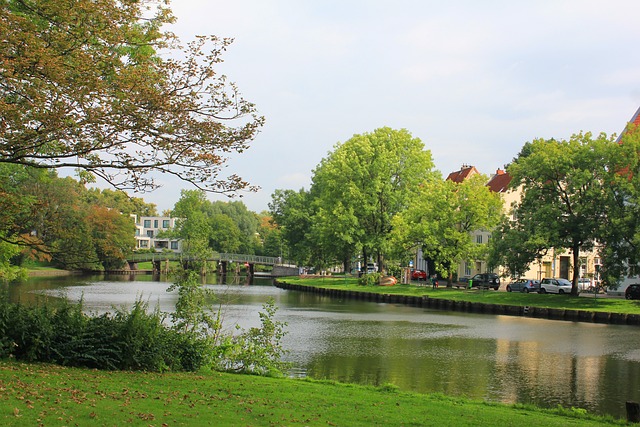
(489,357)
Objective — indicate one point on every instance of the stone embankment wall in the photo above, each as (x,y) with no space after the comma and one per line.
(472,307)
(283,270)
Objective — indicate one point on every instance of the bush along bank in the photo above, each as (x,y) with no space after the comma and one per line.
(141,339)
(468,306)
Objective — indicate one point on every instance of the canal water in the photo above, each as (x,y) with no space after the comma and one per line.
(488,357)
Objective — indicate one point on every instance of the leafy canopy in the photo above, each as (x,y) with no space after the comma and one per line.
(97,86)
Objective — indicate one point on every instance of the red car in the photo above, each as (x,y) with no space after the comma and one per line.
(418,275)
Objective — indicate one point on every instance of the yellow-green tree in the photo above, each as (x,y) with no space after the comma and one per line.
(441,217)
(361,185)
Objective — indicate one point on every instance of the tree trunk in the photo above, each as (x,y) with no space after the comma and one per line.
(576,270)
(365,259)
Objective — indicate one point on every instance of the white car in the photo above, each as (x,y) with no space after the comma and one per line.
(555,286)
(585,284)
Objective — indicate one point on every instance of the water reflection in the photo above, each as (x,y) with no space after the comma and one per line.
(497,358)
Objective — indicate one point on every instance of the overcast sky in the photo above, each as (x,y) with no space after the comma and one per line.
(474,80)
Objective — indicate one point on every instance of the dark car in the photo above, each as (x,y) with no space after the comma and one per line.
(632,291)
(524,285)
(418,275)
(485,280)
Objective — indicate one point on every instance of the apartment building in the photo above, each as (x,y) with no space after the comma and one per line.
(149,235)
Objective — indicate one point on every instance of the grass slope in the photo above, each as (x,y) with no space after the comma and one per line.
(32,395)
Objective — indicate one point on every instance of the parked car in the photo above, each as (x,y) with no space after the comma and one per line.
(418,275)
(486,280)
(632,291)
(524,285)
(555,286)
(585,284)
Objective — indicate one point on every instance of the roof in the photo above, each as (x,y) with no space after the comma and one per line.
(499,183)
(464,172)
(635,121)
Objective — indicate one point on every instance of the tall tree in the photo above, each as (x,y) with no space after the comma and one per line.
(225,236)
(362,185)
(193,227)
(97,86)
(620,243)
(245,220)
(113,236)
(565,196)
(441,218)
(292,214)
(120,201)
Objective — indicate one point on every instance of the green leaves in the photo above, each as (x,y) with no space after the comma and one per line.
(361,186)
(572,194)
(442,217)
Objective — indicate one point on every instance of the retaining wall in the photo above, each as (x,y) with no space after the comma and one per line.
(472,307)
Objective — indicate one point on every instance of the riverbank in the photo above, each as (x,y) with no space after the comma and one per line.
(554,307)
(51,272)
(53,395)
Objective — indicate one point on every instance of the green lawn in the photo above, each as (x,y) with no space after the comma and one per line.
(586,303)
(32,395)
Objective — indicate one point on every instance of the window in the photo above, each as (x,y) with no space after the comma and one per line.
(137,231)
(155,223)
(479,238)
(149,233)
(174,244)
(166,223)
(147,223)
(144,243)
(467,269)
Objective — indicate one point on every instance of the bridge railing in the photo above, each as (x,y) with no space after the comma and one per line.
(229,257)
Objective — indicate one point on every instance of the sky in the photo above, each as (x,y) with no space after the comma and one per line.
(473,80)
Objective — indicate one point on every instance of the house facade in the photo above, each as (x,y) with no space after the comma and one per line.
(148,233)
(469,268)
(553,264)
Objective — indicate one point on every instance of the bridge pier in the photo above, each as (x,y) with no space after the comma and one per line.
(251,269)
(133,265)
(156,266)
(223,267)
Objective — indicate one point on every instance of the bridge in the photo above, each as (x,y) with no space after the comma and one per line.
(280,267)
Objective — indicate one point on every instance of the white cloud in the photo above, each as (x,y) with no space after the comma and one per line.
(473,80)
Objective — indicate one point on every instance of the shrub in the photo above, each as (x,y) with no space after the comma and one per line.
(370,279)
(139,339)
(256,351)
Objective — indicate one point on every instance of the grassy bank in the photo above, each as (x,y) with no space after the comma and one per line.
(585,303)
(54,396)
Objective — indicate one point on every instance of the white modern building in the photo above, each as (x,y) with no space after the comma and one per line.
(148,228)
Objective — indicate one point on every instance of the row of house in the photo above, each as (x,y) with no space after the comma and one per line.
(554,263)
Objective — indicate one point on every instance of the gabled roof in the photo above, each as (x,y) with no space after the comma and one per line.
(499,183)
(464,172)
(635,121)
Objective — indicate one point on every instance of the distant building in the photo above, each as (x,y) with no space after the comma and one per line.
(149,227)
(465,172)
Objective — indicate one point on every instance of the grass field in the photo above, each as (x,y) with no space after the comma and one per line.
(44,395)
(587,303)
